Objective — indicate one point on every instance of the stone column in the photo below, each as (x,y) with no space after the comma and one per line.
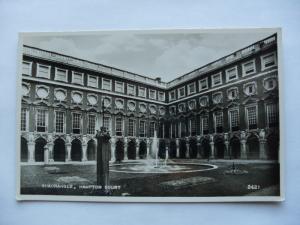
(137,147)
(148,147)
(198,148)
(50,146)
(177,148)
(125,148)
(226,153)
(31,150)
(68,147)
(243,149)
(113,149)
(212,147)
(46,154)
(84,150)
(262,149)
(187,153)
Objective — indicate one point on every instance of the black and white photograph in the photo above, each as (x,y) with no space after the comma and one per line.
(179,115)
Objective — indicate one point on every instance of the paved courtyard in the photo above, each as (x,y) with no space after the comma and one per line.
(256,178)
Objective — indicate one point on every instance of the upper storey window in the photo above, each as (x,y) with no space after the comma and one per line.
(130,89)
(61,74)
(161,96)
(43,71)
(26,68)
(203,84)
(249,68)
(231,74)
(106,84)
(92,81)
(142,92)
(191,88)
(172,95)
(216,79)
(119,86)
(268,60)
(181,92)
(77,78)
(152,94)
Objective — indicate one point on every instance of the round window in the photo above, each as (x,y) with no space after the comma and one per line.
(119,104)
(152,109)
(143,108)
(162,111)
(42,92)
(25,89)
(77,97)
(131,106)
(92,99)
(106,102)
(203,102)
(60,95)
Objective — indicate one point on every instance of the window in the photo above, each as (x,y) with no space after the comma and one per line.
(131,126)
(232,93)
(106,84)
(204,125)
(130,89)
(216,79)
(91,129)
(92,81)
(161,96)
(252,117)
(106,122)
(152,129)
(59,122)
(250,88)
(119,87)
(41,120)
(193,127)
(172,95)
(43,71)
(26,68)
(77,78)
(61,74)
(234,119)
(231,74)
(142,128)
(217,97)
(203,84)
(76,123)
(119,126)
(142,92)
(181,92)
(24,119)
(268,61)
(219,122)
(272,115)
(269,83)
(182,129)
(152,94)
(173,130)
(191,88)
(249,68)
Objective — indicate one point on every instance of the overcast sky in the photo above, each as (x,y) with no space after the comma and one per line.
(153,54)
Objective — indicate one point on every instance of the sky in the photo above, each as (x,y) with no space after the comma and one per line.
(165,54)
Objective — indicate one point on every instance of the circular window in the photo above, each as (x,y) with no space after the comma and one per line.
(131,106)
(270,84)
(92,99)
(119,104)
(250,89)
(203,102)
(181,108)
(143,108)
(192,105)
(77,97)
(106,102)
(60,95)
(217,98)
(152,109)
(42,92)
(162,111)
(25,89)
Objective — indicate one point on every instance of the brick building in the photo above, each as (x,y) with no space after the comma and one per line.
(226,109)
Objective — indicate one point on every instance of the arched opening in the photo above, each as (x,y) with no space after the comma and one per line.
(91,150)
(193,148)
(39,149)
(235,148)
(182,149)
(131,150)
(205,147)
(172,151)
(220,148)
(162,149)
(24,150)
(143,150)
(59,150)
(119,150)
(253,147)
(76,150)
(273,146)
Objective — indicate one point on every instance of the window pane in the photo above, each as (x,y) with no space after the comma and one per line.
(24,119)
(59,122)
(91,124)
(252,117)
(61,75)
(76,123)
(43,71)
(92,81)
(26,68)
(41,120)
(119,127)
